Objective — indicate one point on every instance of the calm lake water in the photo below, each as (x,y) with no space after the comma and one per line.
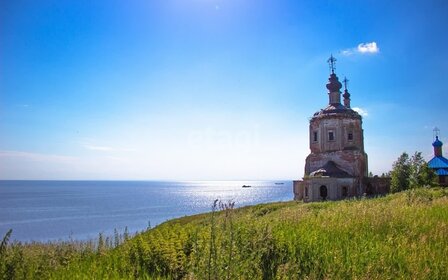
(53,210)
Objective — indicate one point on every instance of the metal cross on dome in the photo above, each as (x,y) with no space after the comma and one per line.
(345,81)
(332,63)
(436,132)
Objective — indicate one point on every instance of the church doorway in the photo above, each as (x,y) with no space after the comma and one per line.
(344,191)
(323,192)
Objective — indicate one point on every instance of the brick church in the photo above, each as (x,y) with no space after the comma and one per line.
(337,166)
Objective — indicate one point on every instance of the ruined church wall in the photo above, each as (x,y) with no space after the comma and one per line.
(309,189)
(353,162)
(346,148)
(298,189)
(340,125)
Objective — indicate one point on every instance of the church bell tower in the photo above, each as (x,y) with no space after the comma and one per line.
(337,164)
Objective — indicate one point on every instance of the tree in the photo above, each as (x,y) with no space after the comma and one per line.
(411,173)
(421,174)
(428,177)
(400,174)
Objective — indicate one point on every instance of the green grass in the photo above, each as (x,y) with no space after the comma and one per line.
(400,236)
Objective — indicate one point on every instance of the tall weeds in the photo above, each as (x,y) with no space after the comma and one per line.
(5,243)
(211,266)
(228,227)
(398,236)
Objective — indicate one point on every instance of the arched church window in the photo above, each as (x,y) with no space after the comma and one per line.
(315,136)
(323,192)
(350,136)
(331,135)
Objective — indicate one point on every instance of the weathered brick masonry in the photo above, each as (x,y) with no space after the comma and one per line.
(337,166)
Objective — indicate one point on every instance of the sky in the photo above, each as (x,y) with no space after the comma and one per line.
(211,89)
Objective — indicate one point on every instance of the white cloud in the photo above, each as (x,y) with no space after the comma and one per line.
(362,112)
(362,48)
(368,48)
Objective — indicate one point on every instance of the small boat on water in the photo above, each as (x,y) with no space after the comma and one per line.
(279,183)
(246,186)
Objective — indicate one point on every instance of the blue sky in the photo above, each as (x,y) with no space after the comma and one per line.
(208,89)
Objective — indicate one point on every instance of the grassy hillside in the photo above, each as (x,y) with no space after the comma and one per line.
(399,236)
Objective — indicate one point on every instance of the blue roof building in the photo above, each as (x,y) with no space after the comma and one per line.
(438,163)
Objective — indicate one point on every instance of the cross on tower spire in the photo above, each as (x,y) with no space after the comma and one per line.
(346,94)
(332,63)
(436,132)
(345,81)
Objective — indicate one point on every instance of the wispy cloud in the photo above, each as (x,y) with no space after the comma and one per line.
(36,156)
(98,148)
(362,48)
(24,105)
(106,148)
(362,112)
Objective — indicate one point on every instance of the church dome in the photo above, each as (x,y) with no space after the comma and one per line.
(437,143)
(333,83)
(337,110)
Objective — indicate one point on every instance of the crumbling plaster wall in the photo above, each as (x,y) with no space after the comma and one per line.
(347,153)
